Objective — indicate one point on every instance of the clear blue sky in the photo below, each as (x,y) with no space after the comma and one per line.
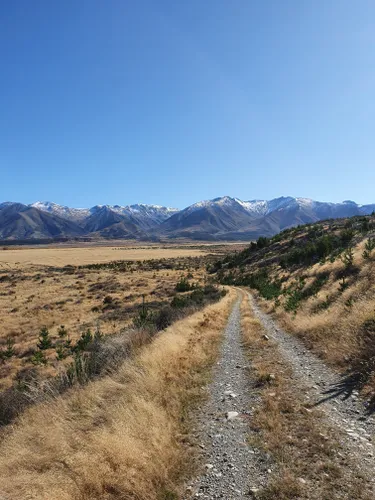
(172,102)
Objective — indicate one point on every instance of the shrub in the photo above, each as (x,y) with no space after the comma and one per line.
(316,286)
(77,371)
(62,332)
(164,318)
(44,341)
(269,289)
(326,303)
(83,342)
(293,300)
(349,303)
(343,284)
(313,251)
(347,258)
(346,236)
(363,366)
(39,358)
(179,302)
(183,285)
(262,242)
(61,352)
(143,317)
(365,226)
(198,297)
(68,343)
(9,351)
(369,247)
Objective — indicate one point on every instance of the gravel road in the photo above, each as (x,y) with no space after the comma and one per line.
(231,468)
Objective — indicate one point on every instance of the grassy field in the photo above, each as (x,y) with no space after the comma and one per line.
(83,255)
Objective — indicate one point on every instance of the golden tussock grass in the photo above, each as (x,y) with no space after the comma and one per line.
(284,425)
(79,256)
(330,323)
(123,436)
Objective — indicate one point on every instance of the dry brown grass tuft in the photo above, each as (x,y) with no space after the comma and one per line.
(305,450)
(122,436)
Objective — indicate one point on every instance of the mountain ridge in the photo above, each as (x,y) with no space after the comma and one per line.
(222,218)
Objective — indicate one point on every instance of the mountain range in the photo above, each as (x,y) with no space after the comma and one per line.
(223,218)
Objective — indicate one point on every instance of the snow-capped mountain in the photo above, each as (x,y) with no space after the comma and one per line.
(154,213)
(223,218)
(231,218)
(74,214)
(21,222)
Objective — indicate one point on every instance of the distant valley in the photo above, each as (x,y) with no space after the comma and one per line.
(220,219)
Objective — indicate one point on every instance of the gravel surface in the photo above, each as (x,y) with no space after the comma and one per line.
(231,468)
(324,387)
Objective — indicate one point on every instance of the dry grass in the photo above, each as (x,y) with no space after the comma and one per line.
(335,332)
(83,255)
(76,299)
(122,436)
(331,322)
(309,461)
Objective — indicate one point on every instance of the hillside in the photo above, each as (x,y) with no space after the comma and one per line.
(318,281)
(19,222)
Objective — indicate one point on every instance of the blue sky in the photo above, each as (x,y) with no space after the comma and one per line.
(172,102)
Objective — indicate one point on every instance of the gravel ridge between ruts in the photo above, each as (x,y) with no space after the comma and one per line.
(230,466)
(322,386)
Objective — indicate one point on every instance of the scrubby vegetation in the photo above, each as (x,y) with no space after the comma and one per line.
(96,304)
(319,282)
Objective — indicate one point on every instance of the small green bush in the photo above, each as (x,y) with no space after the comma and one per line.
(262,242)
(61,353)
(179,302)
(369,247)
(183,285)
(347,258)
(39,358)
(343,284)
(83,342)
(44,340)
(62,332)
(164,318)
(143,317)
(9,350)
(346,236)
